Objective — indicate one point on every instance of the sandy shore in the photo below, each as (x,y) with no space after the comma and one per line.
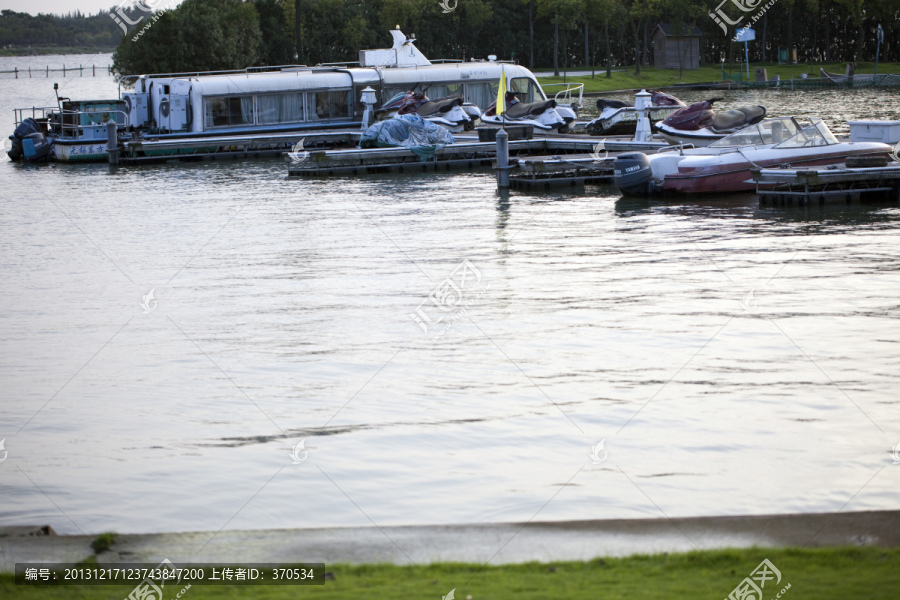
(499,543)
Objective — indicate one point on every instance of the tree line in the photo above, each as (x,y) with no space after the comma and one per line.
(21,30)
(228,34)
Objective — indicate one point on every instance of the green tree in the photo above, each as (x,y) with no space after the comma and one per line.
(200,35)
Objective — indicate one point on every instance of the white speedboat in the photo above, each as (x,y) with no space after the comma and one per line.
(725,165)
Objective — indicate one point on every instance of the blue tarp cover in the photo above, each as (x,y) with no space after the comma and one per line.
(407,131)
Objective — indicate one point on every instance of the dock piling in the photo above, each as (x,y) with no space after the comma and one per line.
(502,160)
(112,143)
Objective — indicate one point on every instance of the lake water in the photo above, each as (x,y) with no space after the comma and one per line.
(732,360)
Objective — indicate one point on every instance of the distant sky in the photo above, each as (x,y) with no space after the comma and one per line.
(64,6)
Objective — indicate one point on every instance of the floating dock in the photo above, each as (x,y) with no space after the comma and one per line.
(827,185)
(211,148)
(561,170)
(541,155)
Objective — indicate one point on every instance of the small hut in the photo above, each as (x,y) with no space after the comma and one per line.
(676,46)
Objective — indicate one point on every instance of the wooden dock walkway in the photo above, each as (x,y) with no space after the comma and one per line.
(256,145)
(468,153)
(562,170)
(827,185)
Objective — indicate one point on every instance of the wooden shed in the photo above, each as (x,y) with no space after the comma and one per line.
(676,46)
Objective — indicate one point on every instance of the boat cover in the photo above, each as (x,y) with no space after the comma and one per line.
(407,131)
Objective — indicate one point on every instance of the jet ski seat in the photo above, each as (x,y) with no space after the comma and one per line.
(602,104)
(754,114)
(731,119)
(520,109)
(438,106)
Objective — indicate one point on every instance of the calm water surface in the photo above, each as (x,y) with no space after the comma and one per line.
(732,360)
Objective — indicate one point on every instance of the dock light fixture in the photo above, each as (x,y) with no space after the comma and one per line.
(370,99)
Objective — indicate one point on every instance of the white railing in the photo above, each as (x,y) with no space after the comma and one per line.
(66,130)
(566,96)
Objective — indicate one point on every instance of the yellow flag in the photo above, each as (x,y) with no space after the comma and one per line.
(501,93)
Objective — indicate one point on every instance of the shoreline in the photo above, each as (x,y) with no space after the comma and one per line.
(501,543)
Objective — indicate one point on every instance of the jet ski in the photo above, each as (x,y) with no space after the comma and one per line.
(726,165)
(451,112)
(542,115)
(700,125)
(620,118)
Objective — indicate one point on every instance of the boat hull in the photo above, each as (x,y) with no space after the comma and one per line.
(74,151)
(737,176)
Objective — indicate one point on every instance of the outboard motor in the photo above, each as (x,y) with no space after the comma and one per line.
(632,174)
(25,128)
(36,147)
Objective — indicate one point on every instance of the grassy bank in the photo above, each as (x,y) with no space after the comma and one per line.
(818,574)
(651,77)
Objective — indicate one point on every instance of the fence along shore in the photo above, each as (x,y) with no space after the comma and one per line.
(31,72)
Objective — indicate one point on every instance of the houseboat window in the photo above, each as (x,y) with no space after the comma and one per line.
(525,89)
(436,91)
(280,108)
(232,111)
(482,94)
(329,105)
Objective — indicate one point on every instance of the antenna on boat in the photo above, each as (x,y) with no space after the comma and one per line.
(58,99)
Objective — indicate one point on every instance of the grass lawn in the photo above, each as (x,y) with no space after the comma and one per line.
(652,77)
(817,574)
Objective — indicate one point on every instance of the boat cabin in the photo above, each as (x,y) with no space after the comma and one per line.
(311,97)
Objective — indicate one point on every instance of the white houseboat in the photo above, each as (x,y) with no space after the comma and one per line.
(194,114)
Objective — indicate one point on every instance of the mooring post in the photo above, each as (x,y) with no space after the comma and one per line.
(112,142)
(93,70)
(17,72)
(643,131)
(502,159)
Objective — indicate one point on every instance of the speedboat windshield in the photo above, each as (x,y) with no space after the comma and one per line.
(772,131)
(814,134)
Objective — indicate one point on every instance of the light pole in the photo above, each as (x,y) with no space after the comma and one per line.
(880,36)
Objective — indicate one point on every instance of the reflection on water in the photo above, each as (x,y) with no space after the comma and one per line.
(733,359)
